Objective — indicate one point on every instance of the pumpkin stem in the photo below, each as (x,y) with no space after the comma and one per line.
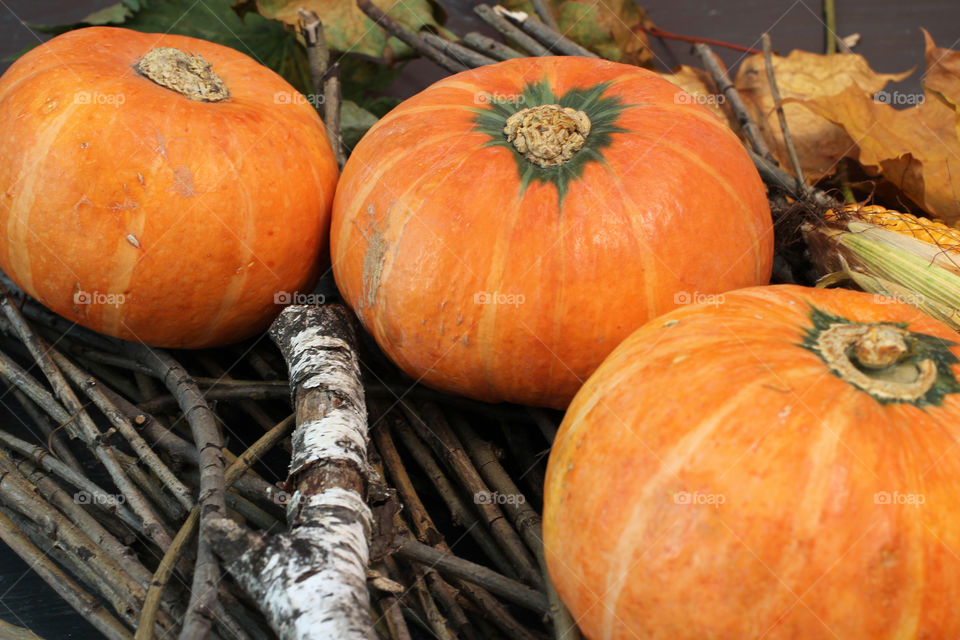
(878,359)
(548,135)
(189,75)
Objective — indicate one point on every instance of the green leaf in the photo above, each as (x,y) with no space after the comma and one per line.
(266,41)
(349,30)
(355,121)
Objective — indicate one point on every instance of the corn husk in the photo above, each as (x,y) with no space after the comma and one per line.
(890,264)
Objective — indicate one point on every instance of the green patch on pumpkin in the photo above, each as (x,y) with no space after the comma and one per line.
(603,112)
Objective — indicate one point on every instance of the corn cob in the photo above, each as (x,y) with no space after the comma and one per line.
(946,238)
(890,254)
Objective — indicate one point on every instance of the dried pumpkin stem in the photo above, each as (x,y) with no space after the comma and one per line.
(189,75)
(883,351)
(548,135)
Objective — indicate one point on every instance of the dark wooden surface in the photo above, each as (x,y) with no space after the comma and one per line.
(891,41)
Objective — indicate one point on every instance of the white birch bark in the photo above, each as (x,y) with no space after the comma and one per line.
(310,582)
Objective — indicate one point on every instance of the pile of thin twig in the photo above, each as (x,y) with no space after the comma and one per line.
(342,499)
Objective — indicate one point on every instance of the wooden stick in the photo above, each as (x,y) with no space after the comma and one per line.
(478,574)
(461,513)
(325,79)
(427,532)
(513,33)
(544,13)
(433,428)
(310,582)
(712,64)
(545,34)
(93,390)
(489,46)
(211,501)
(98,496)
(60,448)
(394,28)
(83,427)
(467,57)
(525,519)
(81,601)
(777,100)
(164,570)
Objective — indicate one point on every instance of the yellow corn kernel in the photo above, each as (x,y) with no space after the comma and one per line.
(937,233)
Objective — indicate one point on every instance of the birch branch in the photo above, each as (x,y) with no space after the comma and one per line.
(310,582)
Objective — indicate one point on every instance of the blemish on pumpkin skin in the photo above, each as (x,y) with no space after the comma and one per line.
(373,259)
(183,181)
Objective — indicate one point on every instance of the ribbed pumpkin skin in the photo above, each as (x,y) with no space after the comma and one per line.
(229,202)
(429,215)
(725,402)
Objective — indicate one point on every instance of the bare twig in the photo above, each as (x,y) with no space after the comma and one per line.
(394,28)
(212,501)
(427,532)
(478,574)
(83,426)
(461,513)
(511,32)
(544,13)
(433,428)
(545,34)
(712,64)
(525,519)
(60,448)
(236,470)
(777,100)
(325,79)
(81,601)
(489,46)
(467,57)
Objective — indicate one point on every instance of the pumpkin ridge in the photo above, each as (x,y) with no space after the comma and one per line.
(671,463)
(346,233)
(393,230)
(695,160)
(19,228)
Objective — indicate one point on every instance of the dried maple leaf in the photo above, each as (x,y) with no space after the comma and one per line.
(803,76)
(916,149)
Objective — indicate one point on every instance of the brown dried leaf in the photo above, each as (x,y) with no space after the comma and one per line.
(916,149)
(803,76)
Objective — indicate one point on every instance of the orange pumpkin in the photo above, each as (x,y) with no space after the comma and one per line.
(174,215)
(782,464)
(500,232)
